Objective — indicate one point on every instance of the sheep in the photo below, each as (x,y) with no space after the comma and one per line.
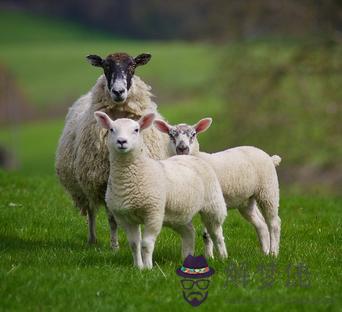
(142,190)
(247,176)
(82,163)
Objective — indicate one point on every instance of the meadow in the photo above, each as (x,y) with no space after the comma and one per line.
(45,263)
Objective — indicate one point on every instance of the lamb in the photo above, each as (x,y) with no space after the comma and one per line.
(247,176)
(142,190)
(82,163)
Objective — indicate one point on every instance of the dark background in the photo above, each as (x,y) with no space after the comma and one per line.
(195,19)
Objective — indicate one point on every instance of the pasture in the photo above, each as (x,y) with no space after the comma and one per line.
(45,263)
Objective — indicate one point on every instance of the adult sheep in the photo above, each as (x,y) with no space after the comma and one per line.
(82,162)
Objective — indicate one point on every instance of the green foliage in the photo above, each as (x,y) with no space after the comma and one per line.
(289,92)
(45,263)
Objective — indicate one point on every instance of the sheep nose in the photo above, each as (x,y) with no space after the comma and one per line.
(118,92)
(182,150)
(121,141)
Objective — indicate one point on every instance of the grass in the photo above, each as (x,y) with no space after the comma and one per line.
(45,263)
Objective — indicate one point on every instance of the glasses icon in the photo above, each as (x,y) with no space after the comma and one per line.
(202,284)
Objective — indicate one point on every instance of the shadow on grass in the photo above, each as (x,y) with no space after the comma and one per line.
(63,252)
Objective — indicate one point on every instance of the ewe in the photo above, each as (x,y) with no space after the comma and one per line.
(142,190)
(82,161)
(247,176)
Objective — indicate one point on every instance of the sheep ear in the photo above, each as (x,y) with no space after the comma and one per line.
(95,60)
(202,125)
(103,120)
(142,59)
(146,121)
(162,126)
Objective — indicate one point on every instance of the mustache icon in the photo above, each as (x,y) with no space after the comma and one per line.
(194,294)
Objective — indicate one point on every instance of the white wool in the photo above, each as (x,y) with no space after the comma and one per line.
(142,190)
(249,182)
(276,160)
(82,163)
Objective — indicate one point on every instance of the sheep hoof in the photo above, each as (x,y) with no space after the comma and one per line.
(115,246)
(266,252)
(209,255)
(274,254)
(224,256)
(148,267)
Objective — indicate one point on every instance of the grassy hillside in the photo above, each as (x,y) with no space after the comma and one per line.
(45,263)
(48,58)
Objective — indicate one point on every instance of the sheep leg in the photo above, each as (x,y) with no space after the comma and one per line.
(208,245)
(187,233)
(91,226)
(261,217)
(251,214)
(270,213)
(134,239)
(150,235)
(113,230)
(216,232)
(274,225)
(213,224)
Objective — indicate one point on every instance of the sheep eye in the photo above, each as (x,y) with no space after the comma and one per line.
(136,130)
(111,130)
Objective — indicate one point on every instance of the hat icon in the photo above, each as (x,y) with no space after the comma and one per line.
(195,267)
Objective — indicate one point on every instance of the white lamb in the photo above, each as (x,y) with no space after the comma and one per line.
(82,162)
(247,176)
(142,190)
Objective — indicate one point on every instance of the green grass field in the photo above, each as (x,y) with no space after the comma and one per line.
(45,263)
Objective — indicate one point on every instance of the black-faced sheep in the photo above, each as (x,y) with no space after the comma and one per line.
(82,162)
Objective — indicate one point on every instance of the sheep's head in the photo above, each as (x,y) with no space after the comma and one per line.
(119,69)
(183,136)
(124,133)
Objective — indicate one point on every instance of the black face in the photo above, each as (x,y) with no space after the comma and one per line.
(119,69)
